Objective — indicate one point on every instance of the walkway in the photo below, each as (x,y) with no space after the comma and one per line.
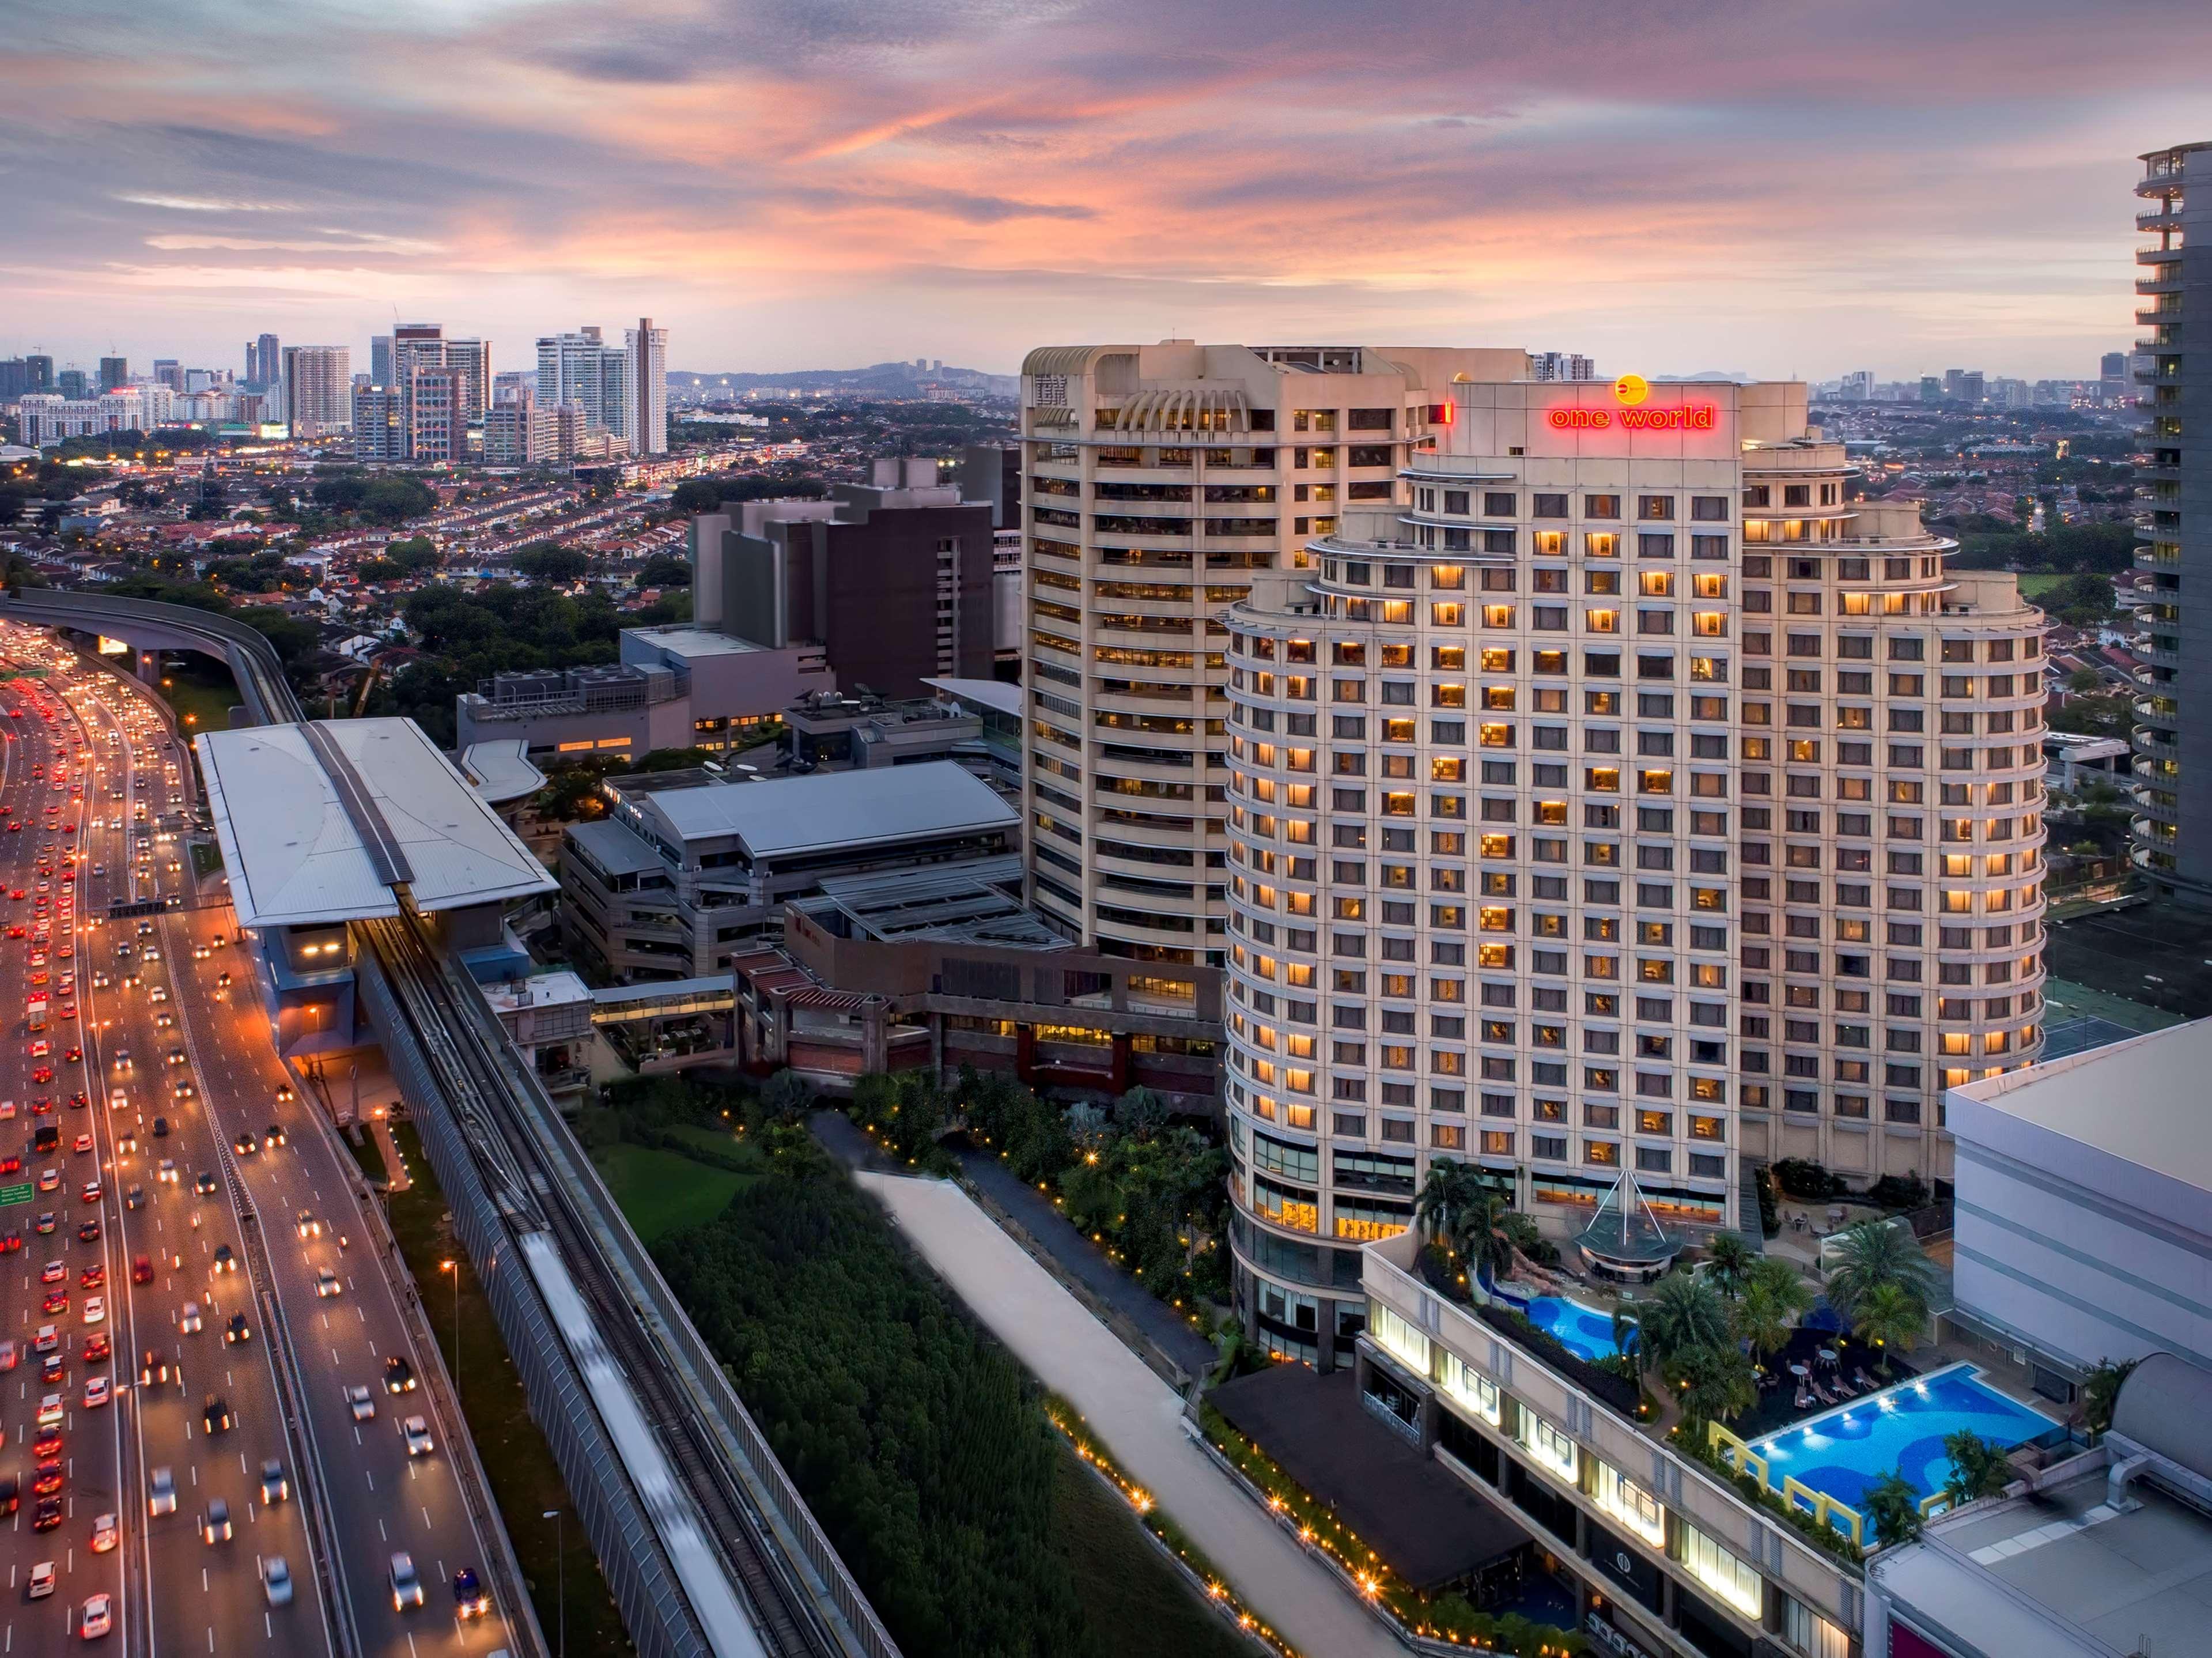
(1079,1258)
(1137,1415)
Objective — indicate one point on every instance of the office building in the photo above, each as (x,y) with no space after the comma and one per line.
(2113,365)
(416,345)
(380,425)
(1621,799)
(168,372)
(114,373)
(647,348)
(517,432)
(1163,481)
(317,389)
(469,361)
(379,359)
(893,579)
(1560,365)
(581,369)
(688,867)
(577,437)
(436,434)
(2172,825)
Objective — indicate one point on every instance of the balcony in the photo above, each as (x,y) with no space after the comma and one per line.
(2154,741)
(2165,218)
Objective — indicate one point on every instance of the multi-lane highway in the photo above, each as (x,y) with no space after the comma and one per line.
(222,1206)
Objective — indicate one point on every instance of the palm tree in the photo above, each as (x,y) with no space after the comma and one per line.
(1874,1254)
(1625,1327)
(1979,1468)
(1682,1314)
(1488,1234)
(1451,1190)
(1891,1506)
(1716,1383)
(1775,1298)
(1729,1261)
(1889,1316)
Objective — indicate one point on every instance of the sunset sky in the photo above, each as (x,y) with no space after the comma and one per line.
(1777,187)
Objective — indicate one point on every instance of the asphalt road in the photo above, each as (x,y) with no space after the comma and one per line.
(179,1025)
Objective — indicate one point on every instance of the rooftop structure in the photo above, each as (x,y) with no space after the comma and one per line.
(333,820)
(501,770)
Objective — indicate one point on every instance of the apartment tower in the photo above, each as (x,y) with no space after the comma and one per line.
(1622,797)
(647,362)
(1162,480)
(318,385)
(2173,826)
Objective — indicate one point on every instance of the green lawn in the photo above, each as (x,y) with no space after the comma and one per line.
(202,697)
(2042,581)
(524,1479)
(1121,1578)
(663,1192)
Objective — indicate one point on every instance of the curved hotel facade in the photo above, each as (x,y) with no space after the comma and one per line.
(1617,796)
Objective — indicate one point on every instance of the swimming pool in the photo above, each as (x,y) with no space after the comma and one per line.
(1582,1331)
(1844,1451)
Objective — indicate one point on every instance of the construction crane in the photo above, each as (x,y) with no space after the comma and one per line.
(367,684)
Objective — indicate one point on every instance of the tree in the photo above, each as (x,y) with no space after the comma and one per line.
(1872,1253)
(1891,1317)
(1891,1506)
(1729,1260)
(1979,1468)
(2083,680)
(1141,1112)
(697,495)
(1489,1233)
(1087,1127)
(664,570)
(787,1097)
(1682,1315)
(1452,1189)
(2100,1392)
(1775,1298)
(548,561)
(1714,1383)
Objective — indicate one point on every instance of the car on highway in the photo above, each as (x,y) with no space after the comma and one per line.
(470,1600)
(53,1272)
(82,1144)
(216,1528)
(225,1260)
(48,1338)
(417,1432)
(50,1180)
(326,1283)
(10,1494)
(47,1480)
(135,1198)
(399,1376)
(362,1402)
(214,1415)
(275,1136)
(97,1391)
(96,1347)
(158,995)
(46,1515)
(45,1224)
(52,1409)
(184,1091)
(175,1056)
(10,1354)
(236,1330)
(189,1321)
(307,1225)
(97,1618)
(203,1183)
(167,1173)
(87,1232)
(57,1300)
(160,1128)
(41,1583)
(406,1586)
(246,1145)
(103,1534)
(11,1241)
(275,1487)
(142,1269)
(90,1192)
(153,1368)
(277,1581)
(92,1276)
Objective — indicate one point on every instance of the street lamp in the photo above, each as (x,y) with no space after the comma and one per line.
(560,1572)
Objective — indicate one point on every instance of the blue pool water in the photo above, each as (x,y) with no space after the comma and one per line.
(1844,1451)
(1582,1331)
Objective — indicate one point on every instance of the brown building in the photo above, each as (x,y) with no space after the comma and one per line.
(892,578)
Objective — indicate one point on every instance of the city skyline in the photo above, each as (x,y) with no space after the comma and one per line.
(818,185)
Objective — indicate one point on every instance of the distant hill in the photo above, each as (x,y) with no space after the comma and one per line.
(887,379)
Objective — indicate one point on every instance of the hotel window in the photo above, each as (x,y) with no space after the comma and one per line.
(1549,1449)
(1398,1338)
(1733,1579)
(1658,509)
(1630,1503)
(1469,1388)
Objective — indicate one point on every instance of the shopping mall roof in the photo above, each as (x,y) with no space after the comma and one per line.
(332,820)
(784,816)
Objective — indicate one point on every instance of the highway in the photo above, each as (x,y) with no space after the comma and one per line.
(154,1018)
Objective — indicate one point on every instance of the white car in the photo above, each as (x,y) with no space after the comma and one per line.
(326,1283)
(277,1581)
(99,1616)
(42,1581)
(189,1321)
(168,1170)
(161,1490)
(97,1392)
(96,1309)
(417,1432)
(362,1401)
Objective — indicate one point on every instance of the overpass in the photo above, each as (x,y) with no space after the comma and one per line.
(706,1544)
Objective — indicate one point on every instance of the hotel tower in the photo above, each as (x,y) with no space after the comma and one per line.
(1620,795)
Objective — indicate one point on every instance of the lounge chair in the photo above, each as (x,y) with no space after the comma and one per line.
(1867,1383)
(1804,1400)
(1822,1393)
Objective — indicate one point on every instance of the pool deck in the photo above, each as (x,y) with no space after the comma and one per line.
(1811,1424)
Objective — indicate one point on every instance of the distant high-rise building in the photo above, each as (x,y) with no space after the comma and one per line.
(1858,386)
(516,431)
(380,425)
(470,360)
(114,373)
(14,378)
(380,359)
(2173,826)
(2113,365)
(582,368)
(168,372)
(264,361)
(648,349)
(1560,365)
(38,371)
(436,434)
(508,383)
(1972,388)
(1931,389)
(416,345)
(317,389)
(69,382)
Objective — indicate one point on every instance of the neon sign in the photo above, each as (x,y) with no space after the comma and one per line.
(1688,417)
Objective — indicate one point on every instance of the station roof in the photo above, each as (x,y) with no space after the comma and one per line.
(327,821)
(784,816)
(501,770)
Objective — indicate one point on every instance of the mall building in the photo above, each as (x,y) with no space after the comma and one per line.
(1621,796)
